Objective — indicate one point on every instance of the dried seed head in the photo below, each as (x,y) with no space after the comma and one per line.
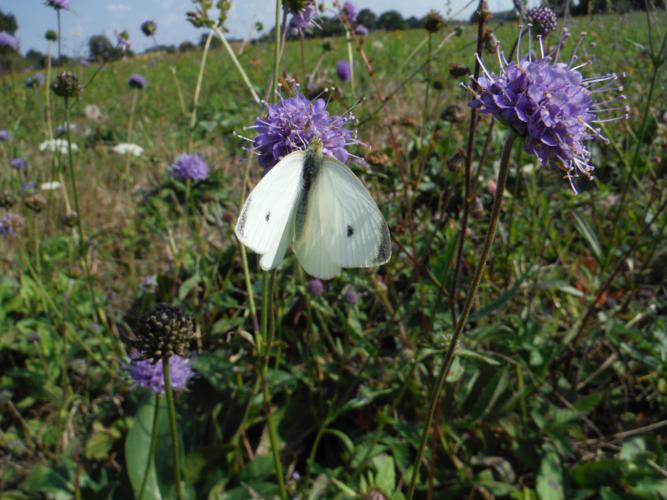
(66,85)
(7,200)
(35,202)
(433,22)
(165,330)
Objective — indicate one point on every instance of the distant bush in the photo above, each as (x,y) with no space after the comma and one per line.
(100,48)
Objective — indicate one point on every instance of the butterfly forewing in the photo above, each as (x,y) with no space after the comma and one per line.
(265,221)
(352,231)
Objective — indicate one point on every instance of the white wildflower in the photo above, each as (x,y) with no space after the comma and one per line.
(59,145)
(50,186)
(128,149)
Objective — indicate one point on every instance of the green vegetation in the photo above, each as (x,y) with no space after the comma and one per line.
(558,388)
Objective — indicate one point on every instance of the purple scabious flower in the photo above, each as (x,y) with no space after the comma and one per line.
(550,105)
(290,125)
(136,82)
(148,27)
(28,186)
(343,70)
(190,167)
(361,30)
(123,40)
(148,284)
(4,135)
(544,19)
(316,287)
(148,374)
(304,20)
(350,295)
(18,164)
(7,40)
(34,81)
(58,4)
(350,11)
(11,224)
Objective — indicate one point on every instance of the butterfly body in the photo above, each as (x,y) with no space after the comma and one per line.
(316,204)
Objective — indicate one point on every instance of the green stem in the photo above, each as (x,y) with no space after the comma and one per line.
(75,195)
(264,374)
(130,123)
(350,57)
(276,53)
(151,448)
(200,78)
(236,62)
(470,298)
(171,410)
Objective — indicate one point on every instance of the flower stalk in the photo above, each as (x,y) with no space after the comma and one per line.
(171,410)
(436,389)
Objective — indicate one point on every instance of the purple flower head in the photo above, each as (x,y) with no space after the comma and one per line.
(11,224)
(304,20)
(290,125)
(149,375)
(149,27)
(350,295)
(361,30)
(550,105)
(136,82)
(123,40)
(149,283)
(350,11)
(544,19)
(28,186)
(343,70)
(7,40)
(58,4)
(18,164)
(191,167)
(316,287)
(34,81)
(4,135)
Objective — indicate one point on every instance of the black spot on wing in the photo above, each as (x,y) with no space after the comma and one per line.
(384,249)
(350,231)
(267,216)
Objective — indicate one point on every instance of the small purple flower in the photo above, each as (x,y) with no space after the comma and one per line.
(304,20)
(148,284)
(350,11)
(28,186)
(190,167)
(290,125)
(149,27)
(550,105)
(58,4)
(136,82)
(34,81)
(7,40)
(350,295)
(343,70)
(316,287)
(11,224)
(123,40)
(361,30)
(544,19)
(19,164)
(149,375)
(4,135)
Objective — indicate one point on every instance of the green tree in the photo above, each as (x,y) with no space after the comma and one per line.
(368,18)
(391,20)
(8,23)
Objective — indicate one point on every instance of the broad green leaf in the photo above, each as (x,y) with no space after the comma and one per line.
(550,478)
(589,235)
(137,446)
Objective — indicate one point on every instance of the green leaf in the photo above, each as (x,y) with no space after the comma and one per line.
(550,478)
(101,441)
(187,286)
(589,235)
(385,479)
(137,446)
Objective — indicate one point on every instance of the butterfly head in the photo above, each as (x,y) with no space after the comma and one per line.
(316,145)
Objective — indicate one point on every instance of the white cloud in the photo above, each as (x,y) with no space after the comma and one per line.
(118,8)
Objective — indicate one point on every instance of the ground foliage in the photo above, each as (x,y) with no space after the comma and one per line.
(559,386)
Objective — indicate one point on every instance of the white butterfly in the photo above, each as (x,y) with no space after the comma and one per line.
(316,204)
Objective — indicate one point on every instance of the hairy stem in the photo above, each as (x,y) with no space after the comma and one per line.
(171,410)
(463,319)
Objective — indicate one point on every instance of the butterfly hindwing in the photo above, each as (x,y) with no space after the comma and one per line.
(356,232)
(265,222)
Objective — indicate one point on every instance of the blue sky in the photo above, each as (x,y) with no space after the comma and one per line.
(90,17)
